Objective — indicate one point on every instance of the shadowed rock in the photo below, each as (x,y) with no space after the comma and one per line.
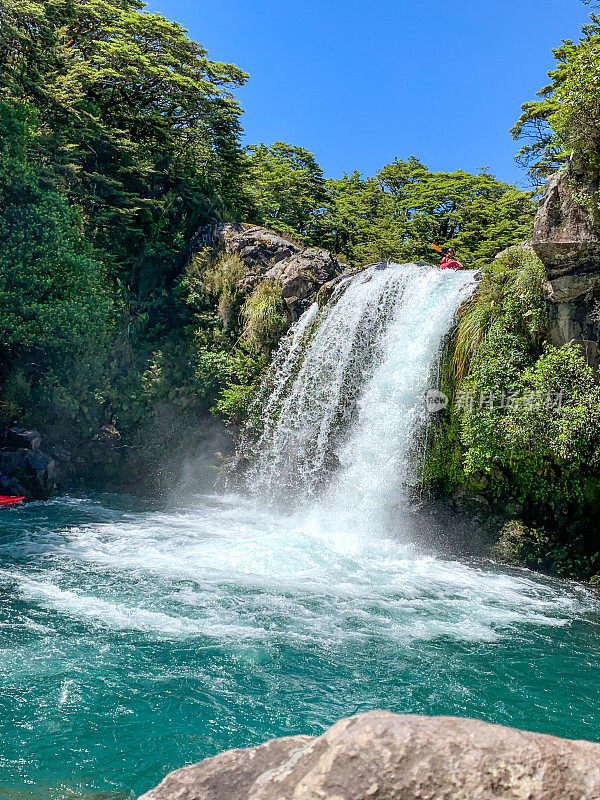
(564,236)
(25,470)
(383,756)
(566,241)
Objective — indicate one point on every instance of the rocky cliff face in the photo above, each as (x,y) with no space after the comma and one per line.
(382,756)
(299,270)
(566,241)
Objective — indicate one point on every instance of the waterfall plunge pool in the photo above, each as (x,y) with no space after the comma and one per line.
(136,640)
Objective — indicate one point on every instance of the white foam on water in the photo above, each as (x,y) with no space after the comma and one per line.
(230,572)
(340,407)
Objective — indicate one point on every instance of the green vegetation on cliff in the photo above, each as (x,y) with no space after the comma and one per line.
(522,430)
(56,304)
(523,425)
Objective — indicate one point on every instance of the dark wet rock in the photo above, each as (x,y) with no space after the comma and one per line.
(22,437)
(25,468)
(521,545)
(31,473)
(104,455)
(383,756)
(325,292)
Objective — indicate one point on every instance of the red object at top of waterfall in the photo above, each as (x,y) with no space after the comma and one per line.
(451,265)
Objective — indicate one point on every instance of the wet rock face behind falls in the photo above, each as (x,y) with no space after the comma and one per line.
(383,756)
(566,240)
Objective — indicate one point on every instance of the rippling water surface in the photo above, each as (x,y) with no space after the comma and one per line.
(134,640)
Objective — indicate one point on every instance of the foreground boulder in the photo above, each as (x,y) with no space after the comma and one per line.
(267,256)
(383,756)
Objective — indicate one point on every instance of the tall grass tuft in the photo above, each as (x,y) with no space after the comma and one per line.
(510,294)
(221,280)
(263,316)
(472,329)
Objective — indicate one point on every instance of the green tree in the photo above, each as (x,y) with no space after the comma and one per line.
(55,305)
(476,214)
(287,189)
(407,207)
(359,221)
(565,120)
(139,126)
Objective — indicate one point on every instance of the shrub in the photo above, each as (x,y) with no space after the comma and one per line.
(264,317)
(221,280)
(535,549)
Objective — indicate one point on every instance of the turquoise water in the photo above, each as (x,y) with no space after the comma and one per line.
(136,639)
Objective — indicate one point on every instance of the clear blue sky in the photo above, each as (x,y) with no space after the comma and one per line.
(359,83)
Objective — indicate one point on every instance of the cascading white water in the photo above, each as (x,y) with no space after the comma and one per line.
(347,393)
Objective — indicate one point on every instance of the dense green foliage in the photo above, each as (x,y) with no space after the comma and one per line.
(139,127)
(393,216)
(55,302)
(287,189)
(119,138)
(523,425)
(476,214)
(521,545)
(565,121)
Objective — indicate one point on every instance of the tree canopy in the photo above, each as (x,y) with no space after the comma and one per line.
(565,120)
(138,126)
(395,215)
(287,188)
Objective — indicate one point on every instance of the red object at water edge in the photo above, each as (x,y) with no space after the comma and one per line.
(451,265)
(10,501)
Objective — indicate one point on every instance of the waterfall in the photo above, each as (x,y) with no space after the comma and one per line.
(344,397)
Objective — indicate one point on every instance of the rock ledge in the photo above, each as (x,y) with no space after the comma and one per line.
(383,756)
(267,256)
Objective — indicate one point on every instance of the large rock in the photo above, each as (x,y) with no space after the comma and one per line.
(299,270)
(24,468)
(258,247)
(382,756)
(566,241)
(563,234)
(301,276)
